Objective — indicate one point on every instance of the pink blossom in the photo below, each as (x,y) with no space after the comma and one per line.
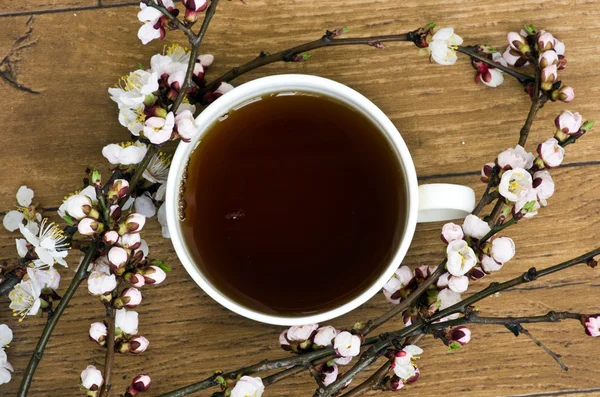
(516,41)
(138,344)
(515,158)
(549,76)
(451,232)
(460,334)
(515,184)
(98,333)
(543,185)
(301,333)
(329,374)
(89,226)
(133,224)
(403,364)
(548,58)
(158,130)
(130,297)
(118,257)
(566,94)
(592,326)
(153,275)
(545,41)
(569,122)
(110,237)
(139,384)
(324,336)
(487,171)
(551,153)
(514,58)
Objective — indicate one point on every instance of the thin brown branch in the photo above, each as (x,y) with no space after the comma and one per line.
(290,55)
(195,43)
(470,51)
(286,373)
(38,352)
(495,214)
(539,343)
(110,351)
(536,104)
(372,383)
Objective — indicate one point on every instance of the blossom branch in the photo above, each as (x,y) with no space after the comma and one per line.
(470,51)
(175,22)
(406,303)
(291,54)
(536,104)
(539,343)
(372,383)
(38,352)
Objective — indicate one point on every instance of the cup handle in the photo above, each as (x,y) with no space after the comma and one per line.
(444,202)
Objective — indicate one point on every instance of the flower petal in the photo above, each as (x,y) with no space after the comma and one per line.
(12,220)
(45,256)
(24,196)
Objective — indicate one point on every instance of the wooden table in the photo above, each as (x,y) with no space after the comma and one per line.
(73,50)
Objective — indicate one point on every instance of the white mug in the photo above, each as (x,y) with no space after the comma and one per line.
(426,203)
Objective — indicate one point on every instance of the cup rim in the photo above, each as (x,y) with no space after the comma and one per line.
(283,83)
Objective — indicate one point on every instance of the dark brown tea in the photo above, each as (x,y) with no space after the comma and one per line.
(295,204)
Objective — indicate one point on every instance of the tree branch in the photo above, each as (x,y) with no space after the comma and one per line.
(289,55)
(470,51)
(552,354)
(110,350)
(36,357)
(536,104)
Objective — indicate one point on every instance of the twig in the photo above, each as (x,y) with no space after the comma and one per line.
(495,214)
(286,373)
(79,276)
(139,171)
(470,51)
(195,43)
(110,351)
(496,229)
(289,55)
(536,104)
(552,354)
(372,383)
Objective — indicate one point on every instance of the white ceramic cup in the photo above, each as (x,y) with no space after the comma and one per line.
(426,203)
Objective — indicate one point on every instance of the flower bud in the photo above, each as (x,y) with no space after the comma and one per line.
(514,58)
(477,273)
(136,345)
(89,226)
(503,249)
(130,241)
(126,321)
(566,94)
(101,283)
(118,258)
(548,58)
(301,333)
(140,384)
(592,326)
(451,232)
(487,171)
(324,336)
(489,265)
(98,333)
(110,237)
(115,212)
(549,76)
(133,224)
(562,62)
(551,153)
(79,206)
(329,374)
(460,335)
(545,41)
(394,383)
(91,378)
(153,275)
(118,189)
(568,122)
(193,8)
(285,344)
(136,280)
(518,42)
(205,59)
(130,297)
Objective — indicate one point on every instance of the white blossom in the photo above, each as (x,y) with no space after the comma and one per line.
(543,185)
(158,130)
(551,153)
(474,227)
(127,321)
(447,298)
(515,158)
(515,184)
(346,344)
(248,386)
(162,219)
(528,205)
(91,378)
(324,336)
(458,284)
(25,298)
(403,364)
(158,168)
(301,333)
(461,258)
(25,212)
(443,46)
(451,232)
(6,336)
(50,245)
(503,249)
(100,281)
(48,278)
(144,205)
(125,153)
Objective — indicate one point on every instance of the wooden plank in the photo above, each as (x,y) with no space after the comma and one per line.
(435,108)
(11,7)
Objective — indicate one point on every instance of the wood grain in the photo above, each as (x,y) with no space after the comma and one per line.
(52,137)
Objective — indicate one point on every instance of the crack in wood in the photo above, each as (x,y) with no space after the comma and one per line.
(8,65)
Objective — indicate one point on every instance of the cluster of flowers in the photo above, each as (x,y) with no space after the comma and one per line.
(92,380)
(155,22)
(144,97)
(542,47)
(123,258)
